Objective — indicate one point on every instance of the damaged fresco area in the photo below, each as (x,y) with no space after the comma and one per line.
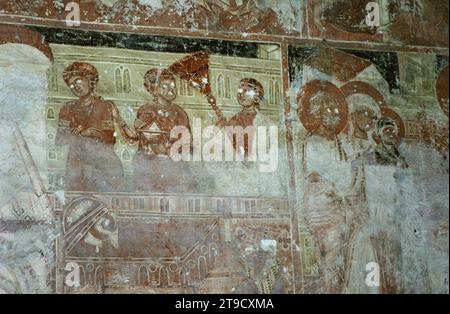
(224,146)
(405,22)
(96,172)
(253,16)
(399,22)
(371,147)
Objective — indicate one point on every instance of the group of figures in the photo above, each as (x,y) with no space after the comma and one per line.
(368,193)
(324,112)
(365,134)
(88,126)
(348,145)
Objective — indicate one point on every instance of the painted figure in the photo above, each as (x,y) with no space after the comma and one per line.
(323,111)
(154,169)
(87,126)
(250,95)
(378,243)
(328,212)
(389,133)
(365,112)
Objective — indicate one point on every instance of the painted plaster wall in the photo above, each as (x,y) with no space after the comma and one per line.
(347,191)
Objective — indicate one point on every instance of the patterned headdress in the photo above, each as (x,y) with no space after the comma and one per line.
(82,69)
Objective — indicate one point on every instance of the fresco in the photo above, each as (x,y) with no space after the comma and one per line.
(361,125)
(399,22)
(224,147)
(417,22)
(252,16)
(131,215)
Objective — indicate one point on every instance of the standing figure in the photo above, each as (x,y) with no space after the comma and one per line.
(241,136)
(87,126)
(323,111)
(153,167)
(389,135)
(382,162)
(363,117)
(250,95)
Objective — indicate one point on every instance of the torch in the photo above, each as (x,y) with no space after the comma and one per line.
(194,69)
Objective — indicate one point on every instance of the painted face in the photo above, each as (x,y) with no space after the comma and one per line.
(365,119)
(331,116)
(106,229)
(167,89)
(389,136)
(328,110)
(80,86)
(248,97)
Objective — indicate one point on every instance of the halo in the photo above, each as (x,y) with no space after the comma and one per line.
(394,116)
(303,100)
(358,87)
(363,88)
(391,114)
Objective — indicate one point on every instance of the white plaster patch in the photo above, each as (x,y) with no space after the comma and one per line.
(269,245)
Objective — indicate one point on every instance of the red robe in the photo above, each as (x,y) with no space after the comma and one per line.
(154,170)
(92,164)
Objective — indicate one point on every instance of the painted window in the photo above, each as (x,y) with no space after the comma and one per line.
(227,88)
(220,86)
(164,205)
(50,114)
(126,81)
(118,80)
(123,80)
